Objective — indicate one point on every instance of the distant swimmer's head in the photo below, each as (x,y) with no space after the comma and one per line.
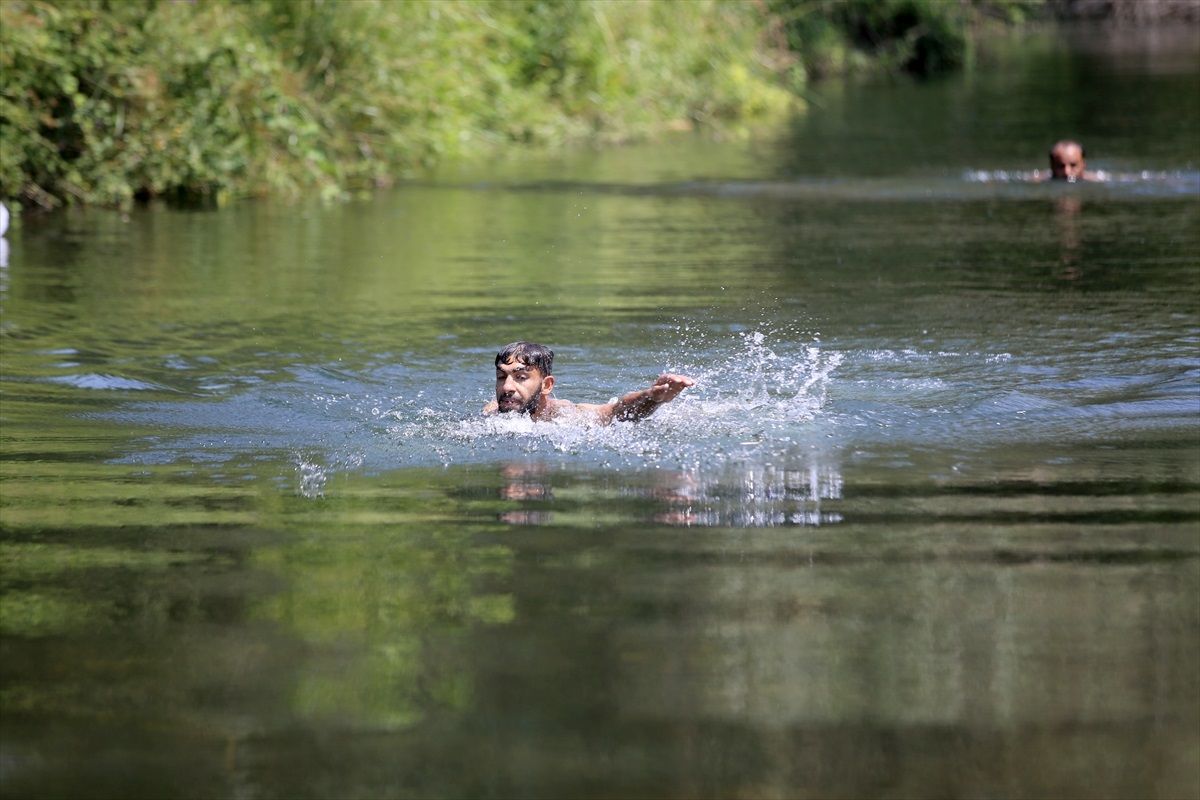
(1067,161)
(523,377)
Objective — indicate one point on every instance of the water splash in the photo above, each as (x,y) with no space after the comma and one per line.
(1144,182)
(312,477)
(758,397)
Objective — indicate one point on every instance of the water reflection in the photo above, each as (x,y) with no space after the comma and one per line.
(396,625)
(370,604)
(745,495)
(926,528)
(1066,219)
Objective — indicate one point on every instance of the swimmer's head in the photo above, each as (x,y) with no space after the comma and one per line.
(1067,161)
(530,354)
(523,377)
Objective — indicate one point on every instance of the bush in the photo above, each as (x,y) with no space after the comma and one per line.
(104,102)
(921,37)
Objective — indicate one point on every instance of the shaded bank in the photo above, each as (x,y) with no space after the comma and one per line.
(1127,11)
(106,102)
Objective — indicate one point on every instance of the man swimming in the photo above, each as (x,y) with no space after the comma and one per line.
(524,381)
(1068,162)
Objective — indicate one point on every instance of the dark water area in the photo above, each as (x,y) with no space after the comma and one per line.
(928,525)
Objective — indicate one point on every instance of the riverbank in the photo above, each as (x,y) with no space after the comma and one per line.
(108,103)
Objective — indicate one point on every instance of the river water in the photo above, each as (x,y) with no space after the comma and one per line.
(926,526)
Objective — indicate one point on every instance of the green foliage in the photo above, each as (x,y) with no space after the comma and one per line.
(103,102)
(922,37)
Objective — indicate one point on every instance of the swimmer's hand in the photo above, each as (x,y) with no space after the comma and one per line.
(669,386)
(643,403)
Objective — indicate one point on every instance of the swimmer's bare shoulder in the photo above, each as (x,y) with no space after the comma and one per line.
(553,409)
(582,412)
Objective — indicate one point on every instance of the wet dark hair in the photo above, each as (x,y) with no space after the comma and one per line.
(1068,143)
(528,353)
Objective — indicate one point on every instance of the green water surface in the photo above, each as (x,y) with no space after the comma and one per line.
(928,525)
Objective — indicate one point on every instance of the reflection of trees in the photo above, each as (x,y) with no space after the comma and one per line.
(396,639)
(132,655)
(188,642)
(880,662)
(852,661)
(858,660)
(368,600)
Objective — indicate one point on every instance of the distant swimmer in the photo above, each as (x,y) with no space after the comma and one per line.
(1068,163)
(524,381)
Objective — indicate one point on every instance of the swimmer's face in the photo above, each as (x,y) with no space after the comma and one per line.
(519,387)
(1066,162)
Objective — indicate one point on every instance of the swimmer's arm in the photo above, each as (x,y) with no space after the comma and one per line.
(642,403)
(491,408)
